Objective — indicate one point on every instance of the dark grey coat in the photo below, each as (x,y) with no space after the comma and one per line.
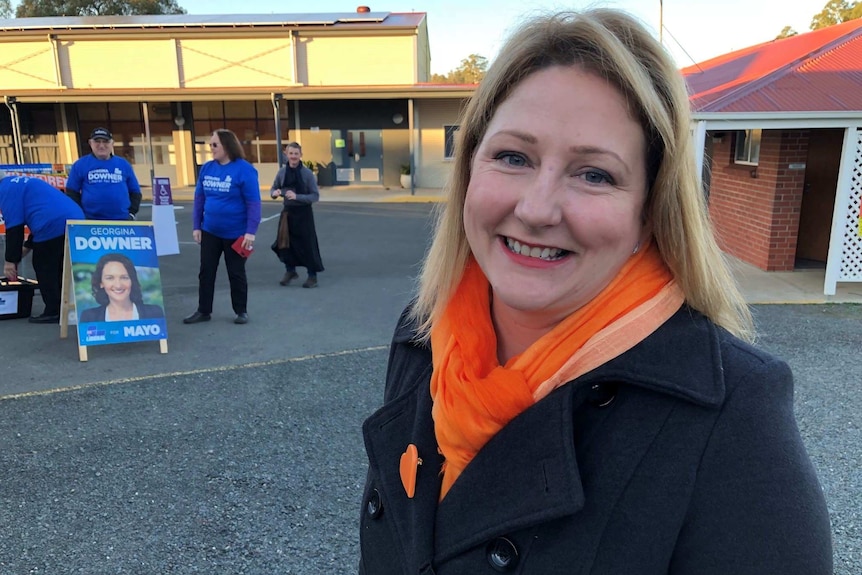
(681,456)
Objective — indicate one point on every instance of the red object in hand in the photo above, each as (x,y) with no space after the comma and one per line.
(237,247)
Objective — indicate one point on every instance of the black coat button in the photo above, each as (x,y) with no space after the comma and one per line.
(602,395)
(374,507)
(502,555)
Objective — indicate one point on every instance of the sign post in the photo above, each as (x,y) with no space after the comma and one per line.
(111,281)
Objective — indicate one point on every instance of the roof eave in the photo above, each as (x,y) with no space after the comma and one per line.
(778,120)
(263,92)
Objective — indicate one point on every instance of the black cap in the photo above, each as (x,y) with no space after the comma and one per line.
(101,134)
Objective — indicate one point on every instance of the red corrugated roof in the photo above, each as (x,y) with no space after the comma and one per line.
(812,72)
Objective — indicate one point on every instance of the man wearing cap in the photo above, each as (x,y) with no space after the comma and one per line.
(44,209)
(103,184)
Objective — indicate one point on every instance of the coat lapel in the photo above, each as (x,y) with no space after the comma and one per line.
(526,474)
(553,461)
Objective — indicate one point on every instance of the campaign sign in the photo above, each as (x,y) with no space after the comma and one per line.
(54,174)
(117,283)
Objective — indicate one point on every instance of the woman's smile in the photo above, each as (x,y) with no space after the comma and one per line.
(546,253)
(116,282)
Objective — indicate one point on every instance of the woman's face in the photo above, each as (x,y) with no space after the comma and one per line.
(294,156)
(116,282)
(218,151)
(557,189)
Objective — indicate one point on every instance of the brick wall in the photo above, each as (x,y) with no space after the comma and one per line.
(755,209)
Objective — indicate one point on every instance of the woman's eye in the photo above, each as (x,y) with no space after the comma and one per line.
(597,177)
(512,159)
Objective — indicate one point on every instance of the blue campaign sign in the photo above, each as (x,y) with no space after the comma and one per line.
(29,168)
(117,283)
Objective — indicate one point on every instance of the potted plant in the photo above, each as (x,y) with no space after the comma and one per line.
(311,166)
(406,178)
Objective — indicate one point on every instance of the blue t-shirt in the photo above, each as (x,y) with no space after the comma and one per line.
(227,199)
(104,185)
(37,204)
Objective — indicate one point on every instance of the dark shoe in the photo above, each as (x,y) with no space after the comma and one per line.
(241,318)
(310,282)
(288,277)
(44,318)
(197,317)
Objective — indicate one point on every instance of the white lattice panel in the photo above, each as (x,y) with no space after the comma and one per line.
(851,254)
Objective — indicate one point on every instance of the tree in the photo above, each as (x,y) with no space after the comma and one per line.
(471,71)
(786,32)
(836,12)
(5,9)
(36,8)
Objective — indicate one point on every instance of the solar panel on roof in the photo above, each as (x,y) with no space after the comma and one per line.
(162,20)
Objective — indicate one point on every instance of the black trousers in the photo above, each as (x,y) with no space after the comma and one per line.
(48,265)
(212,247)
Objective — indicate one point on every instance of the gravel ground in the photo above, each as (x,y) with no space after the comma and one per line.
(240,471)
(259,470)
(822,345)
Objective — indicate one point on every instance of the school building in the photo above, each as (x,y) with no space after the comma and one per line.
(779,130)
(778,126)
(352,88)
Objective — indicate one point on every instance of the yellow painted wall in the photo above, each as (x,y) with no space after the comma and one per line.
(115,63)
(431,115)
(119,63)
(27,65)
(357,60)
(208,63)
(67,134)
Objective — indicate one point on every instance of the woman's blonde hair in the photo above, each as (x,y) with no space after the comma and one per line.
(615,46)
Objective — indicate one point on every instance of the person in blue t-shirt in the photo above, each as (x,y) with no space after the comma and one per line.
(103,184)
(226,210)
(44,209)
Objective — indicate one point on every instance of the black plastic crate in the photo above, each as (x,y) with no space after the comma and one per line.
(16,298)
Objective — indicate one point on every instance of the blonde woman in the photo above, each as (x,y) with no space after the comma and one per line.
(574,389)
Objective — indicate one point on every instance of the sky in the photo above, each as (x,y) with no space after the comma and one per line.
(694,30)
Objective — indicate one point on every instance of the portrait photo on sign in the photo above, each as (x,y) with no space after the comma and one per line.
(114,289)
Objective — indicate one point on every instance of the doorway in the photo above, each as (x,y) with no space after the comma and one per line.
(357,156)
(818,197)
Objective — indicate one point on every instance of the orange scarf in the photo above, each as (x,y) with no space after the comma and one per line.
(474,397)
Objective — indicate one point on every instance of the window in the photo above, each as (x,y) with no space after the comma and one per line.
(450,131)
(747,150)
(251,121)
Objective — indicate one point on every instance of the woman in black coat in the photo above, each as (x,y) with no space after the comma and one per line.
(117,290)
(574,389)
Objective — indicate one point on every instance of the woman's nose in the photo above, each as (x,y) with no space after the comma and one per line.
(539,202)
